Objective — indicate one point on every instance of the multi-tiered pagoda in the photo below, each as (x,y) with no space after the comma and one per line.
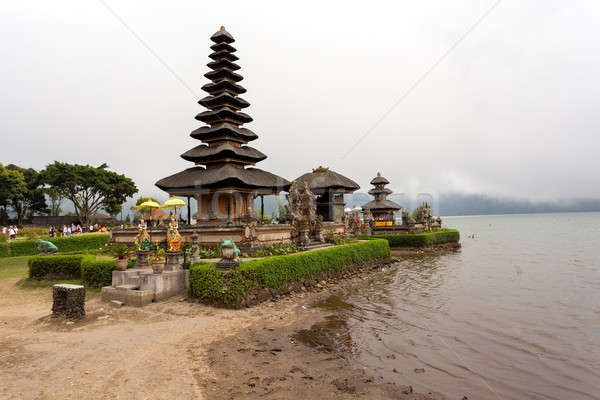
(382,209)
(223,181)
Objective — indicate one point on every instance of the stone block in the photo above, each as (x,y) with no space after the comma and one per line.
(68,301)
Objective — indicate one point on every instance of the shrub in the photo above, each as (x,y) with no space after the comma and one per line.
(89,241)
(3,238)
(3,250)
(71,244)
(97,273)
(419,239)
(56,267)
(231,286)
(277,249)
(23,248)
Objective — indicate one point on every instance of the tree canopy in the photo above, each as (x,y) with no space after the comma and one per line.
(90,189)
(11,184)
(28,200)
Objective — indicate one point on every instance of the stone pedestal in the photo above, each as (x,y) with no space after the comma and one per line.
(228,263)
(69,301)
(142,259)
(173,261)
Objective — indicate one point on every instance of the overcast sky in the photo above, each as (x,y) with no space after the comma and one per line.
(511,109)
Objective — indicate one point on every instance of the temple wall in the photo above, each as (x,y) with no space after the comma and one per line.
(265,234)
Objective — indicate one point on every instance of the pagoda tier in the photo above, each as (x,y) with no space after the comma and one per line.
(223,64)
(224,177)
(224,114)
(223,55)
(224,131)
(223,100)
(381,207)
(224,153)
(223,86)
(222,173)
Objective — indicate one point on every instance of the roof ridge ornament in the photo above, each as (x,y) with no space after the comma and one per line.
(321,169)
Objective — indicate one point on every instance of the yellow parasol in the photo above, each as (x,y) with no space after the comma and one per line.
(173,202)
(148,205)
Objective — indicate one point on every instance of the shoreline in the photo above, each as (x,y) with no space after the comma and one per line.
(175,348)
(294,358)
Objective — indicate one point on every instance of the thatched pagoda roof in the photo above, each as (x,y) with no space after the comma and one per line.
(381,205)
(323,179)
(379,180)
(227,150)
(198,178)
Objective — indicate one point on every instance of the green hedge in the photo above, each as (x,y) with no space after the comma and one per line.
(57,267)
(23,248)
(419,239)
(3,250)
(90,241)
(229,287)
(98,273)
(85,242)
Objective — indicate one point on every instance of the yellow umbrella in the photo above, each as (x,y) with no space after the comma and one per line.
(148,205)
(173,203)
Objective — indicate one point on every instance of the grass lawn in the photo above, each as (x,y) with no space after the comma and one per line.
(13,267)
(16,267)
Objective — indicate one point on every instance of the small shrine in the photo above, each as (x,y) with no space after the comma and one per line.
(223,181)
(382,210)
(329,188)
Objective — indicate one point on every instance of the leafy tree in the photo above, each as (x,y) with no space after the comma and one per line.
(55,201)
(11,184)
(31,200)
(90,189)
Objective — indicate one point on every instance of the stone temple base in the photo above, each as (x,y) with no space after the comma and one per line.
(139,286)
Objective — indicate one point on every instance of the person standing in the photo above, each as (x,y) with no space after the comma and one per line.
(12,233)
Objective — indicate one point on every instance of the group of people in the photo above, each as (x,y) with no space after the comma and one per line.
(68,230)
(11,232)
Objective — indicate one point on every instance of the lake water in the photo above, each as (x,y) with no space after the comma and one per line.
(515,314)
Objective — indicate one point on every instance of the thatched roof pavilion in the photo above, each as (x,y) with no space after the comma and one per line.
(330,187)
(224,181)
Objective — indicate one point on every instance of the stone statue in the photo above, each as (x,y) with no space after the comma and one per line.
(368,221)
(46,247)
(142,240)
(174,238)
(404,217)
(230,254)
(301,211)
(355,222)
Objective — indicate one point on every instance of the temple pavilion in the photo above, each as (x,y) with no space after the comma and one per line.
(329,188)
(223,180)
(382,209)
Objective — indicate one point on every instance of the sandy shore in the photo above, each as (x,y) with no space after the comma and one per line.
(173,349)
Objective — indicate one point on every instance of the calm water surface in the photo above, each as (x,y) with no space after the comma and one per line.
(514,315)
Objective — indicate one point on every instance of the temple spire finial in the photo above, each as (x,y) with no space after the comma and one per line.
(222,28)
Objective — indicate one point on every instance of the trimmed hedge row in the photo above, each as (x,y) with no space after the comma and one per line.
(419,239)
(3,250)
(56,267)
(65,244)
(98,273)
(93,273)
(231,286)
